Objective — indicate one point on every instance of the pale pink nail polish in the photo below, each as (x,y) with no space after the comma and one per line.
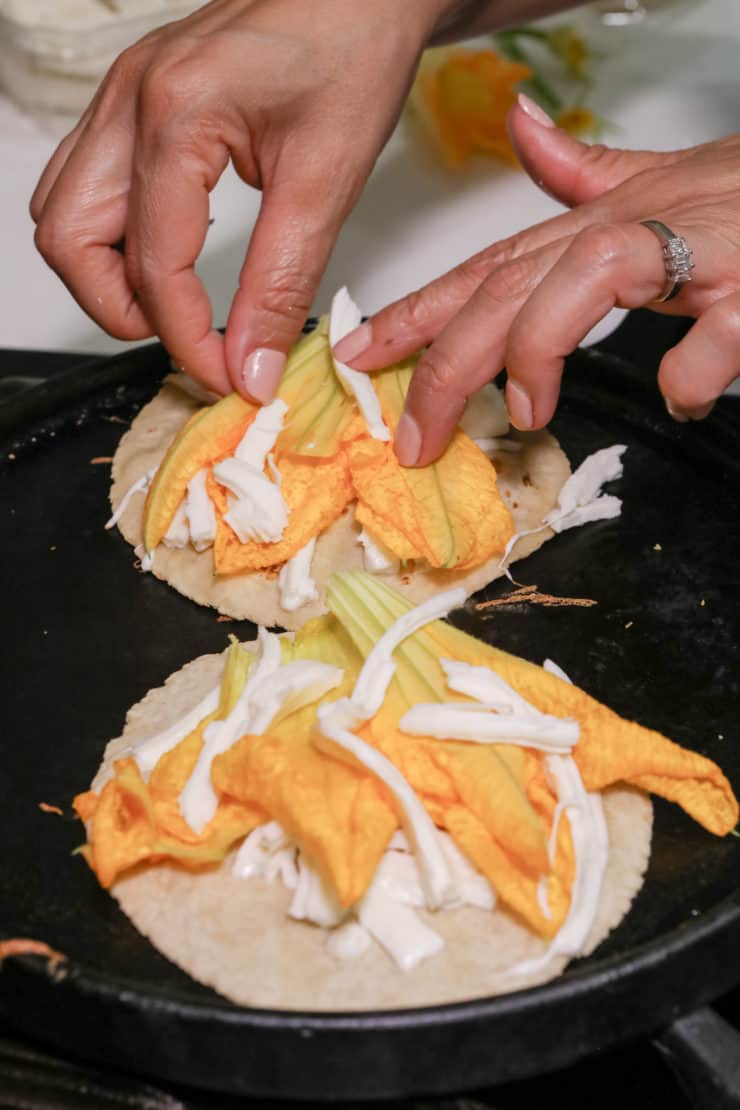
(261,373)
(533,110)
(678,416)
(408,441)
(354,343)
(519,405)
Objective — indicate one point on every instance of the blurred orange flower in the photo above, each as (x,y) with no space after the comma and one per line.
(577,121)
(463,97)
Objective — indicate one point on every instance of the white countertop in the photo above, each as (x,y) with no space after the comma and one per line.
(669,83)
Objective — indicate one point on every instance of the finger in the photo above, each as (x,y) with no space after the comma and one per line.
(53,168)
(287,255)
(107,107)
(571,171)
(468,353)
(83,217)
(175,167)
(407,325)
(699,369)
(605,266)
(412,322)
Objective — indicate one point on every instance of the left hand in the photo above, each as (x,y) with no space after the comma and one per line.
(526,302)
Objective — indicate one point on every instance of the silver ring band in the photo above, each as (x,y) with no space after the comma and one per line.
(678,259)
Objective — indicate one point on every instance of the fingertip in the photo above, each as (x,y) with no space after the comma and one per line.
(259,377)
(408,441)
(354,344)
(519,404)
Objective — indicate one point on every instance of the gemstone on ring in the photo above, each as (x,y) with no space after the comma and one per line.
(678,258)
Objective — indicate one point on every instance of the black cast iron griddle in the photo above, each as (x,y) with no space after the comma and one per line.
(85,636)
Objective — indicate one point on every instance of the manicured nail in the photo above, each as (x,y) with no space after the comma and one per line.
(534,111)
(261,373)
(519,406)
(678,416)
(408,440)
(354,343)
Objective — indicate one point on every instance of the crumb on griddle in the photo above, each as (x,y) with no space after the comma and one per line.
(530,595)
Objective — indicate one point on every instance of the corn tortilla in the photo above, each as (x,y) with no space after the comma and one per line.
(234,935)
(529,480)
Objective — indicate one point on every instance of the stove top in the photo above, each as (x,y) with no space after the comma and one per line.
(695,1064)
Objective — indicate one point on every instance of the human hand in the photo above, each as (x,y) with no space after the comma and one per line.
(527,301)
(301,97)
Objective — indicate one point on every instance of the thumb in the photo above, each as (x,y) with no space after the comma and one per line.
(287,255)
(571,171)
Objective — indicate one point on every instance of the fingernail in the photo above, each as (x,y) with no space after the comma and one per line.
(261,373)
(354,343)
(408,440)
(702,411)
(533,110)
(519,406)
(678,416)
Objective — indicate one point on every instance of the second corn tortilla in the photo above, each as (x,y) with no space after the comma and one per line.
(529,481)
(234,935)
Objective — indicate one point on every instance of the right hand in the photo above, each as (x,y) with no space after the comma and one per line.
(527,301)
(301,97)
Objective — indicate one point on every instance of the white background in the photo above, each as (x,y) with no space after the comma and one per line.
(669,83)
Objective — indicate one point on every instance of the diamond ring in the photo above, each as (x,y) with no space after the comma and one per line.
(677,257)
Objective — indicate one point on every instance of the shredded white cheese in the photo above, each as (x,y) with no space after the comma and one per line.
(500,715)
(585,814)
(484,724)
(581,500)
(344,317)
(259,511)
(149,751)
(257,849)
(418,825)
(178,533)
(314,900)
(271,692)
(261,435)
(141,486)
(377,558)
(296,585)
(200,512)
(198,800)
(378,669)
